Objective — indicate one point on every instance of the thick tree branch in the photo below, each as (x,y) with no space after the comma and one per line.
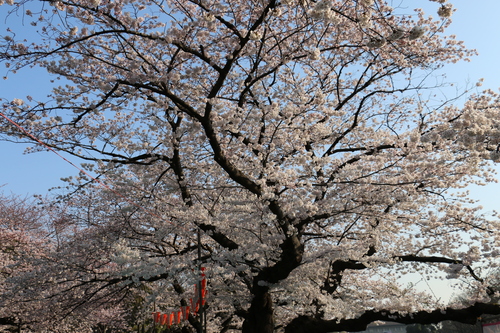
(218,236)
(469,315)
(334,278)
(8,321)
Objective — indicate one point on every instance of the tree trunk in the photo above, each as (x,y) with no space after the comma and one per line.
(260,317)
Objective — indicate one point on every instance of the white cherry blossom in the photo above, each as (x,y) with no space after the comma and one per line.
(293,136)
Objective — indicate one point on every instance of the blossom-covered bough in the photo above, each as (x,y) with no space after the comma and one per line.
(301,137)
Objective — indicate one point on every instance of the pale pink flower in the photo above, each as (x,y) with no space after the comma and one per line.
(416,32)
(17,101)
(445,11)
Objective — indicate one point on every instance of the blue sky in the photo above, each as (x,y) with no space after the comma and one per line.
(475,22)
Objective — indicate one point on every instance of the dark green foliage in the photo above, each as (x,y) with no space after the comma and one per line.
(419,328)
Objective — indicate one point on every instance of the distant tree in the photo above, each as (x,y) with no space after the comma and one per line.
(302,139)
(23,234)
(34,259)
(456,327)
(419,328)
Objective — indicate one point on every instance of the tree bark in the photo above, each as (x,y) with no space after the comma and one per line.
(260,317)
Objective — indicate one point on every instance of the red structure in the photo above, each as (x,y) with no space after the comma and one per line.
(176,317)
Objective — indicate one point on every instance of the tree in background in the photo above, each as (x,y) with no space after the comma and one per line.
(42,246)
(20,234)
(456,327)
(301,138)
(419,328)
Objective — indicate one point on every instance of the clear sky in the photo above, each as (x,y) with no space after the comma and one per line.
(475,22)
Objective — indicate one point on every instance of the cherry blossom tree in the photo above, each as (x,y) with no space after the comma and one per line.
(32,237)
(301,139)
(19,234)
(28,232)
